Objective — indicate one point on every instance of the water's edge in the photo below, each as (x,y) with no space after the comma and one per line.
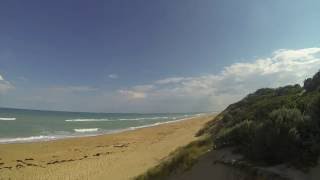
(44,138)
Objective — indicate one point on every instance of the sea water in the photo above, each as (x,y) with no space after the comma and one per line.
(18,125)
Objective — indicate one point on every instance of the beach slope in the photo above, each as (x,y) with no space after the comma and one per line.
(115,156)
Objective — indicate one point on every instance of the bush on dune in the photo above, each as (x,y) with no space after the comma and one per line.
(312,84)
(276,140)
(273,126)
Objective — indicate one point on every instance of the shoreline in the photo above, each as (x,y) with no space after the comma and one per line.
(98,157)
(47,138)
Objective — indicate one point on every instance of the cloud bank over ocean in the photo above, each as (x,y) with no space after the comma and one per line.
(210,92)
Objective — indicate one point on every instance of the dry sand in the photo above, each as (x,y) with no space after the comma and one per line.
(114,156)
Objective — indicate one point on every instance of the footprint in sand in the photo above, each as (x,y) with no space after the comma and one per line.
(18,166)
(121,145)
(98,154)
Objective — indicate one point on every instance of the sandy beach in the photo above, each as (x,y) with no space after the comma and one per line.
(115,156)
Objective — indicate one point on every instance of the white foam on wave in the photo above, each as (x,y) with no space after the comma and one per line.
(145,118)
(157,123)
(200,114)
(87,120)
(7,119)
(86,130)
(122,119)
(27,139)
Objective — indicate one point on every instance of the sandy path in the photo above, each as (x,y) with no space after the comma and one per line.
(116,156)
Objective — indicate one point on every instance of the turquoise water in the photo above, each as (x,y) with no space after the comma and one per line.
(18,125)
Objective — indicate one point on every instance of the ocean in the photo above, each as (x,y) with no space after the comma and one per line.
(18,125)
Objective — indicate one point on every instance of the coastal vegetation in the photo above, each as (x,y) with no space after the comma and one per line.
(273,126)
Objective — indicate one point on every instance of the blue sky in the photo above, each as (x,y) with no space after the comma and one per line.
(143,56)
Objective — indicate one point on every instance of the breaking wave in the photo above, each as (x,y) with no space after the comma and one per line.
(86,130)
(87,120)
(7,119)
(27,139)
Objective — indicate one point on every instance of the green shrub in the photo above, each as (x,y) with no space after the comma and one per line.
(276,140)
(310,134)
(235,134)
(272,126)
(312,84)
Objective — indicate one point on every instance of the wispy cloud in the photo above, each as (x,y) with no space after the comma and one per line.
(137,92)
(215,91)
(113,76)
(131,94)
(23,79)
(170,80)
(5,86)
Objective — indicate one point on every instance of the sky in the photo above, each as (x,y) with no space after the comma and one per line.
(152,56)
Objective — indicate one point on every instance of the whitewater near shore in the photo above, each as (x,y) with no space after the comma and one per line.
(23,125)
(115,156)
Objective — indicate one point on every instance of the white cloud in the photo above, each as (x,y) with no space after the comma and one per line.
(133,94)
(137,92)
(215,91)
(5,86)
(113,76)
(170,80)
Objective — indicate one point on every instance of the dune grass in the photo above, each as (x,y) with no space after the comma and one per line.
(178,161)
